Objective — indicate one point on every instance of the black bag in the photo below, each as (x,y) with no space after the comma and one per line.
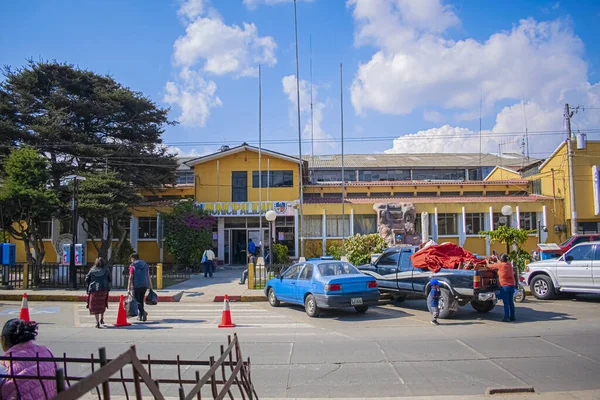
(152,298)
(131,306)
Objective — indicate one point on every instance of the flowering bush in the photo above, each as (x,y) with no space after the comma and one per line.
(358,248)
(188,232)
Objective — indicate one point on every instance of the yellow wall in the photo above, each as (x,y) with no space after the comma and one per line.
(502,174)
(216,187)
(475,245)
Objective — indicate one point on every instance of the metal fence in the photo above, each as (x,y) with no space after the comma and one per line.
(56,276)
(263,273)
(228,376)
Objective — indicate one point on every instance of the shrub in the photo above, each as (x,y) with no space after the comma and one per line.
(280,254)
(358,248)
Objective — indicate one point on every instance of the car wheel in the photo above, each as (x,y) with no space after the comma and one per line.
(542,287)
(445,301)
(273,299)
(400,299)
(483,306)
(361,309)
(310,305)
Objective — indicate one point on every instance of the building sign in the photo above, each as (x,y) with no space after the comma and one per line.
(237,209)
(596,182)
(396,223)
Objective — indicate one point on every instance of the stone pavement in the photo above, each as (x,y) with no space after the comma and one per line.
(196,289)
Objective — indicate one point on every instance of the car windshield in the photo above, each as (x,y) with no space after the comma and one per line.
(566,242)
(337,268)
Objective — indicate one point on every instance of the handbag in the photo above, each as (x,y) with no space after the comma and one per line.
(204,258)
(131,306)
(152,298)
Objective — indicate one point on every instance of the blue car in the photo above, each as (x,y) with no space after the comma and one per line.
(319,284)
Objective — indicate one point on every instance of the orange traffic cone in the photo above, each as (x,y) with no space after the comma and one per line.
(121,314)
(24,314)
(226,316)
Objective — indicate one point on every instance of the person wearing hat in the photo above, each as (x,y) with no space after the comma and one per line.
(434,300)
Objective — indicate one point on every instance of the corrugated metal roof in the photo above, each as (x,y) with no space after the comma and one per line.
(459,200)
(428,160)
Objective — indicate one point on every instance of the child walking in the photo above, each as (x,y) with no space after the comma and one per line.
(434,300)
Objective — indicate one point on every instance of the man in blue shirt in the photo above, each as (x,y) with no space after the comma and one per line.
(251,248)
(434,300)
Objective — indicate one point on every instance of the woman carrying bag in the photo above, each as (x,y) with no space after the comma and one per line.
(98,282)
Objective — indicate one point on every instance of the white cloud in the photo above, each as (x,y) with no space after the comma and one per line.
(190,152)
(289,88)
(556,5)
(194,95)
(432,116)
(210,46)
(414,66)
(251,4)
(225,49)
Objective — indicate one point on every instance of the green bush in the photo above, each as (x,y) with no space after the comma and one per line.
(280,254)
(125,250)
(358,248)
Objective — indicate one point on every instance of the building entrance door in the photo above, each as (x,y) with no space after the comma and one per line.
(254,234)
(238,250)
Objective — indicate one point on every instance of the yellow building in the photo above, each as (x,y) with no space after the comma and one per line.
(463,194)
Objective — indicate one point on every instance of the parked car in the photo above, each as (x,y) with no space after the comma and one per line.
(319,284)
(576,271)
(396,276)
(576,239)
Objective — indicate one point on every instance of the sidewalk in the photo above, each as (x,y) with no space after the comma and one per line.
(197,289)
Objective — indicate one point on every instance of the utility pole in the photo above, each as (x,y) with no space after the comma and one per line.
(343,177)
(568,115)
(301,183)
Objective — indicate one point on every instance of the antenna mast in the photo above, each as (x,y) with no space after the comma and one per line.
(312,131)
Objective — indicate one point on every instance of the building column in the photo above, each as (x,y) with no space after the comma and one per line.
(352,222)
(133,232)
(462,228)
(324,233)
(518,218)
(491,219)
(159,237)
(544,220)
(296,231)
(488,224)
(221,239)
(435,224)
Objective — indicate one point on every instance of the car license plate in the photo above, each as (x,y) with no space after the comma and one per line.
(356,301)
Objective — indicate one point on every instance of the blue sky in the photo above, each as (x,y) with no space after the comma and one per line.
(415,68)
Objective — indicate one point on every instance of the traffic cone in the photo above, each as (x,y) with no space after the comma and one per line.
(121,314)
(24,314)
(226,316)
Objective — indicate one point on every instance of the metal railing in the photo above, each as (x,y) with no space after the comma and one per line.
(263,274)
(220,379)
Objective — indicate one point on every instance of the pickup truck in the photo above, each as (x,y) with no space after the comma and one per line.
(576,271)
(395,275)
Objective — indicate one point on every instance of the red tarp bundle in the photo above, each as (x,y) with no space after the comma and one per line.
(446,255)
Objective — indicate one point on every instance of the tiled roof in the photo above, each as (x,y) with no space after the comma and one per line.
(420,183)
(456,199)
(428,160)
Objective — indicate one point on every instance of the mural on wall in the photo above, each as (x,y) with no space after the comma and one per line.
(396,223)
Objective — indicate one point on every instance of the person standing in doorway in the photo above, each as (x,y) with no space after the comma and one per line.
(251,250)
(507,286)
(208,259)
(139,280)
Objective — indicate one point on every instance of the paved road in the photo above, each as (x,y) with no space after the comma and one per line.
(392,350)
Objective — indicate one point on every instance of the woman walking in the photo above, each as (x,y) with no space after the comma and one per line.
(98,285)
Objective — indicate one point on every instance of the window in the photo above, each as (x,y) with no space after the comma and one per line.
(333,176)
(147,227)
(581,253)
(313,226)
(528,221)
(495,193)
(185,177)
(597,256)
(338,226)
(332,269)
(65,226)
(472,194)
(307,273)
(403,194)
(384,175)
(588,227)
(426,194)
(582,239)
(501,220)
(125,225)
(418,224)
(45,229)
(474,223)
(474,175)
(449,194)
(356,195)
(405,262)
(536,186)
(365,224)
(438,174)
(292,272)
(447,224)
(389,259)
(273,179)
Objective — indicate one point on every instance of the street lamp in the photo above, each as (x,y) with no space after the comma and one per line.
(507,212)
(74,216)
(271,216)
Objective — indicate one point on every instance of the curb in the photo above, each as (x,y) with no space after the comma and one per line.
(75,298)
(509,390)
(236,299)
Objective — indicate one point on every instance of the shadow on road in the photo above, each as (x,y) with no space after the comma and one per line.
(183,321)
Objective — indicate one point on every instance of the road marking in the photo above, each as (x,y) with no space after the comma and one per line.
(32,311)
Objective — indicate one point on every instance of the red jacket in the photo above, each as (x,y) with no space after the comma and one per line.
(29,389)
(505,273)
